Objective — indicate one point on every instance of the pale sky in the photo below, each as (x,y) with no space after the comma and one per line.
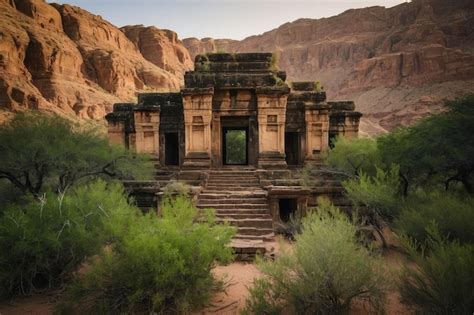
(218,18)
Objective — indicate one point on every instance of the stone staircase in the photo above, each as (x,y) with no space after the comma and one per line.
(238,198)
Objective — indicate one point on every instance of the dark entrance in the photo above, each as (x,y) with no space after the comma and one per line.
(235,145)
(171,148)
(332,138)
(292,148)
(288,208)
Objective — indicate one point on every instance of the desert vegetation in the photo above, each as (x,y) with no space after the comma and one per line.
(67,224)
(417,181)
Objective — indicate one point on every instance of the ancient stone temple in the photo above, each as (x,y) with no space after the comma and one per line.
(282,126)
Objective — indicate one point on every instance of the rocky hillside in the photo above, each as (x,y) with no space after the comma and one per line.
(63,59)
(398,64)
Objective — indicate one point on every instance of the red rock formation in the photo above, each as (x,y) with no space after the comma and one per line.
(382,57)
(64,59)
(160,47)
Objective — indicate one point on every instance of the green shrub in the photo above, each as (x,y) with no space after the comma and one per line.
(452,213)
(353,156)
(160,265)
(443,281)
(42,242)
(326,270)
(380,193)
(376,198)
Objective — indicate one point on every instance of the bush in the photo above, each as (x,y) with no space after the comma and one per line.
(443,282)
(160,265)
(376,198)
(353,156)
(452,213)
(42,242)
(379,193)
(323,274)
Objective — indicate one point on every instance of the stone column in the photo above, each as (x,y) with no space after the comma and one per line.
(147,126)
(116,132)
(120,124)
(317,128)
(343,119)
(351,124)
(197,104)
(271,102)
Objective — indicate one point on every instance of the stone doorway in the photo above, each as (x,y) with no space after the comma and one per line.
(287,208)
(171,148)
(292,148)
(235,145)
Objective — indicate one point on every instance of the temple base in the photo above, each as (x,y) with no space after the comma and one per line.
(270,160)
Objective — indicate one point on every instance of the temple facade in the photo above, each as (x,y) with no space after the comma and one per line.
(283,124)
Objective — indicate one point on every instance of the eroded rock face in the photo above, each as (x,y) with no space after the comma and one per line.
(66,60)
(413,49)
(160,47)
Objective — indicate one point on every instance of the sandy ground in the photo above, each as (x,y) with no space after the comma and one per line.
(238,277)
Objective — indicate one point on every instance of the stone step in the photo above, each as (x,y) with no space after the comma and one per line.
(263,237)
(235,194)
(233,174)
(265,223)
(243,193)
(224,201)
(232,179)
(240,216)
(224,188)
(254,231)
(233,182)
(243,212)
(233,206)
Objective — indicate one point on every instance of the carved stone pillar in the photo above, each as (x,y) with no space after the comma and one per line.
(120,124)
(147,126)
(197,104)
(271,102)
(317,128)
(116,132)
(343,119)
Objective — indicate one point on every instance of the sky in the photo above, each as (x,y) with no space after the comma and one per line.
(218,18)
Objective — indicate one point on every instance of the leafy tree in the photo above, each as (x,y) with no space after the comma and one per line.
(43,241)
(38,150)
(353,156)
(159,265)
(437,149)
(452,213)
(323,274)
(443,281)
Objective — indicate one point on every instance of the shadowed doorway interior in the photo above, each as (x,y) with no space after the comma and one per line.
(171,148)
(235,146)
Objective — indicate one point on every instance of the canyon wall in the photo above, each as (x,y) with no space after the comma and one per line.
(63,59)
(397,63)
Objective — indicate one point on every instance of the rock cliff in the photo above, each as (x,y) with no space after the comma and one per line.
(397,63)
(63,59)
